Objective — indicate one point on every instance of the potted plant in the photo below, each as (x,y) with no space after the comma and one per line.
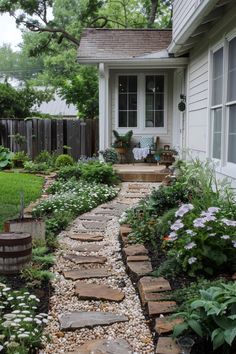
(110,155)
(122,142)
(165,156)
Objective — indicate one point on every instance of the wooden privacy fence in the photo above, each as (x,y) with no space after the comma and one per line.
(51,135)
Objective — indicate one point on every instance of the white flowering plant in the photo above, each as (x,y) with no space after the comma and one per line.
(21,328)
(203,241)
(76,197)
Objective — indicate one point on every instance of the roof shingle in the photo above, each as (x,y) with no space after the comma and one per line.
(122,43)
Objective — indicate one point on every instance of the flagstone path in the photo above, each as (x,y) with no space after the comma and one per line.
(94,307)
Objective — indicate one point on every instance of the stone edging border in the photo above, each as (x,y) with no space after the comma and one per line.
(151,292)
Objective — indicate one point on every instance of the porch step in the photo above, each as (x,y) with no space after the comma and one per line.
(140,172)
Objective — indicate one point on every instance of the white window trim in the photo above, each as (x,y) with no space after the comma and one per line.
(141,109)
(223,166)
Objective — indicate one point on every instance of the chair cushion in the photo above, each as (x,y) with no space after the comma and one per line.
(146,141)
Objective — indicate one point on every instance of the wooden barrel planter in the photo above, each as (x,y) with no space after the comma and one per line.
(15,252)
(35,227)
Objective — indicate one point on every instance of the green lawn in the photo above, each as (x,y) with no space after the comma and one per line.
(11,184)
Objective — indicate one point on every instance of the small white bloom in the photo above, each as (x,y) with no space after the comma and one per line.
(192,260)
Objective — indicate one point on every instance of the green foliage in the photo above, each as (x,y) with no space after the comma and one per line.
(18,138)
(68,172)
(63,160)
(18,103)
(110,156)
(212,315)
(5,158)
(122,140)
(169,269)
(57,222)
(42,167)
(36,275)
(98,172)
(21,329)
(41,257)
(45,156)
(19,158)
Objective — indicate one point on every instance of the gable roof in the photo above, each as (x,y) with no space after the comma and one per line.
(58,107)
(109,44)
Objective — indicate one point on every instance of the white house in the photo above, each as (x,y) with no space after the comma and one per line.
(142,74)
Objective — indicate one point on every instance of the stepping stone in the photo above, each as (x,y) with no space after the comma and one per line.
(89,247)
(76,274)
(125,230)
(109,212)
(86,237)
(95,225)
(74,320)
(95,217)
(167,345)
(135,250)
(104,346)
(166,324)
(152,284)
(85,259)
(140,268)
(137,258)
(97,292)
(146,297)
(156,308)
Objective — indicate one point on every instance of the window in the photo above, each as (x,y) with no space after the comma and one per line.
(154,101)
(231,98)
(127,101)
(223,103)
(216,102)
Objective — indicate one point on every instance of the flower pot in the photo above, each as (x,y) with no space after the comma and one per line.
(121,150)
(35,227)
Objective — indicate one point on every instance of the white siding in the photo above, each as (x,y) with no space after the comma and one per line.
(164,138)
(182,11)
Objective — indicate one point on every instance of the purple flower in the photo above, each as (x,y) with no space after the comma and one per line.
(199,222)
(225,237)
(212,235)
(229,222)
(213,210)
(210,217)
(177,225)
(185,208)
(190,245)
(190,232)
(192,260)
(173,236)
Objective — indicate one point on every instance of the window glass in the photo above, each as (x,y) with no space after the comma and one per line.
(155,101)
(217,84)
(232,71)
(217,127)
(127,101)
(232,134)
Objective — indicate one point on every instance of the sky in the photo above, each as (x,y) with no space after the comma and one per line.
(9,32)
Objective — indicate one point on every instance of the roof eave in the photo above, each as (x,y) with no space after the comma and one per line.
(160,62)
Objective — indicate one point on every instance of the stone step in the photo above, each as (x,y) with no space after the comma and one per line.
(87,291)
(135,250)
(167,345)
(88,247)
(94,225)
(83,237)
(85,259)
(156,308)
(95,217)
(166,324)
(146,297)
(71,321)
(140,268)
(152,285)
(125,230)
(104,346)
(76,274)
(137,258)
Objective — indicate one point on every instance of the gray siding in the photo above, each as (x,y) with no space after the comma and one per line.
(182,11)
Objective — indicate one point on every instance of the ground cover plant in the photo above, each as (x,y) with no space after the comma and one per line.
(11,185)
(21,327)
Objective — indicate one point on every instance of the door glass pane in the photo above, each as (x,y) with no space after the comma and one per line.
(150,84)
(217,79)
(132,84)
(149,119)
(232,135)
(122,102)
(132,119)
(123,83)
(217,127)
(159,101)
(122,119)
(159,119)
(159,85)
(149,102)
(232,71)
(132,101)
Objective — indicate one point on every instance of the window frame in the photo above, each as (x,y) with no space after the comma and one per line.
(141,103)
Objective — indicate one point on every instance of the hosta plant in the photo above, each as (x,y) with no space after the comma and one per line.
(5,157)
(212,315)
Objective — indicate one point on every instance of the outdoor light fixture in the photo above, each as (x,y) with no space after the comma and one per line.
(185,344)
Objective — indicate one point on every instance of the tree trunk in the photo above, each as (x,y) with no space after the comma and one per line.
(153,12)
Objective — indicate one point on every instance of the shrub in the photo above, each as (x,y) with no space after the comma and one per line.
(98,172)
(32,167)
(212,315)
(68,172)
(203,242)
(46,157)
(19,158)
(63,160)
(110,156)
(5,157)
